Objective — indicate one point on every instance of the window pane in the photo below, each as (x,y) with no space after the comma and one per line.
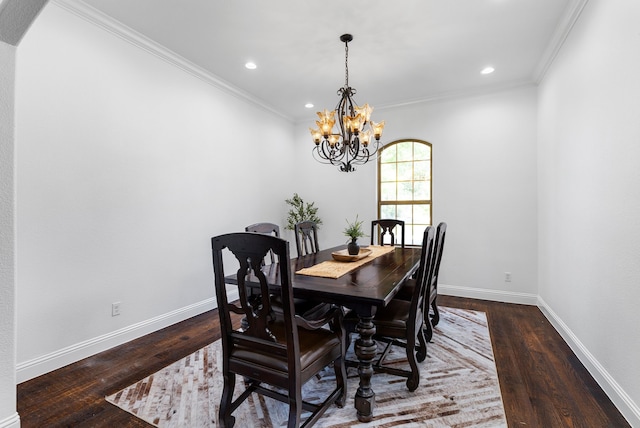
(404,213)
(388,172)
(405,151)
(416,237)
(388,191)
(388,211)
(422,214)
(421,152)
(388,154)
(421,170)
(405,191)
(405,171)
(408,234)
(421,190)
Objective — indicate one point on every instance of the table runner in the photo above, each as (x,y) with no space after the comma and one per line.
(335,269)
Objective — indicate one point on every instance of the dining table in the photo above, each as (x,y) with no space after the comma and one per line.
(362,283)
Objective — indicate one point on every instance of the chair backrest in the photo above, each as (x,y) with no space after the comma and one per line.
(419,305)
(438,248)
(306,238)
(381,227)
(249,250)
(265,229)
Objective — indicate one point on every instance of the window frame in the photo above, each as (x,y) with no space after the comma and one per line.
(411,202)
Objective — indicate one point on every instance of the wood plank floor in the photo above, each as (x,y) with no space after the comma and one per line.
(543,383)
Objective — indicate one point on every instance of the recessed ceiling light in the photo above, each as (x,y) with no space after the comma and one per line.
(251,65)
(308,105)
(488,70)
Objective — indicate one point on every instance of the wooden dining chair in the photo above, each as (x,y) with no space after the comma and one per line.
(306,237)
(441,232)
(382,227)
(400,323)
(305,307)
(407,291)
(284,352)
(265,229)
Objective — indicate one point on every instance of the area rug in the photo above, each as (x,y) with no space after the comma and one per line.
(458,387)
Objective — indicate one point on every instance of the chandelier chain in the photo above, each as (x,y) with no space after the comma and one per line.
(346,64)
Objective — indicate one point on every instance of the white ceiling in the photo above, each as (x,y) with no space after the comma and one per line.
(403,50)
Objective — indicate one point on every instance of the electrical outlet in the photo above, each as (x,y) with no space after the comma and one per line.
(507,277)
(115,309)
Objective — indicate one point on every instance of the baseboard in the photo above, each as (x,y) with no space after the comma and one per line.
(492,295)
(12,421)
(624,403)
(46,363)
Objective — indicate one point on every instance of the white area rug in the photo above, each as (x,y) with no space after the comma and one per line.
(458,387)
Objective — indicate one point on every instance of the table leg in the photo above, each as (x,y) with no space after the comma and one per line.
(366,351)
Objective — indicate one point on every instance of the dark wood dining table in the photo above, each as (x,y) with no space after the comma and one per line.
(363,290)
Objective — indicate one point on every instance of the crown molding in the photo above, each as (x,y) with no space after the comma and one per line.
(466,93)
(107,23)
(564,27)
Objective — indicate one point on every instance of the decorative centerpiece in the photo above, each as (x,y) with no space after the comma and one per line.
(354,231)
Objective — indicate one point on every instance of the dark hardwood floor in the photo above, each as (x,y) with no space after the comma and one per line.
(543,383)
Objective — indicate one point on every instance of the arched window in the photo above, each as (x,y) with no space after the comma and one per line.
(404,186)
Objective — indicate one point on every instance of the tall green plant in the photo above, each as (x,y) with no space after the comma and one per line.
(301,211)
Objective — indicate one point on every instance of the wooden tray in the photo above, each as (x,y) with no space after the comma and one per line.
(344,256)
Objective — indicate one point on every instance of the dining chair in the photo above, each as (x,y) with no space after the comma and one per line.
(407,291)
(306,237)
(283,352)
(441,232)
(265,229)
(307,243)
(381,227)
(400,323)
(305,307)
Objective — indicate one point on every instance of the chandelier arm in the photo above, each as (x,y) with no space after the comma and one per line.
(327,151)
(319,157)
(356,146)
(333,155)
(340,110)
(350,101)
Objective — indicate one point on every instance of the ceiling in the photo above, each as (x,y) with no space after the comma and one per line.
(403,50)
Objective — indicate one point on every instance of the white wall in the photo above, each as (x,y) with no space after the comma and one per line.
(126,166)
(15,20)
(484,187)
(589,179)
(8,414)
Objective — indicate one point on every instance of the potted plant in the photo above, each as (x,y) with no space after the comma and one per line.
(354,231)
(301,211)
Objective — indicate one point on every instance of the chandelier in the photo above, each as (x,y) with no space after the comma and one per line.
(350,143)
